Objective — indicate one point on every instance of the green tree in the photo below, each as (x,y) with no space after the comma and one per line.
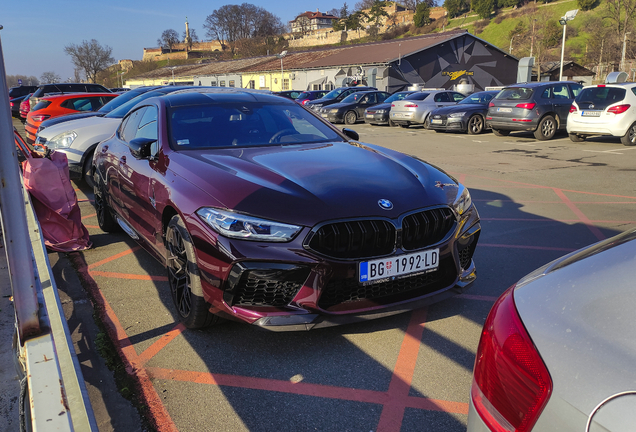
(586,4)
(422,15)
(456,7)
(483,8)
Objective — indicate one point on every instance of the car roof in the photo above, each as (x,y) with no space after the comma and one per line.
(76,95)
(619,84)
(206,95)
(539,83)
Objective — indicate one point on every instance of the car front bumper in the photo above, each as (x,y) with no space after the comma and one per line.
(286,287)
(377,119)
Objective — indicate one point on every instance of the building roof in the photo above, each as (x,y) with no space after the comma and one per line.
(376,53)
(572,68)
(314,15)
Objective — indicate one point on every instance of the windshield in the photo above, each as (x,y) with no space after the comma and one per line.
(245,125)
(417,96)
(601,97)
(477,98)
(396,96)
(120,100)
(123,109)
(333,94)
(353,98)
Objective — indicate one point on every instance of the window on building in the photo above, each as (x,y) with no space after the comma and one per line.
(213,83)
(286,84)
(222,84)
(316,87)
(251,84)
(232,83)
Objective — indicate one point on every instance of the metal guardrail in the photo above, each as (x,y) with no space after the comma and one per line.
(51,376)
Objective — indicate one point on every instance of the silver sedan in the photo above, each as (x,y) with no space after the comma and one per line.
(415,108)
(558,349)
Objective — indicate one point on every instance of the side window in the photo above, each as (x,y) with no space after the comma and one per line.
(382,97)
(128,129)
(442,97)
(560,91)
(576,89)
(457,97)
(369,99)
(546,93)
(82,104)
(148,124)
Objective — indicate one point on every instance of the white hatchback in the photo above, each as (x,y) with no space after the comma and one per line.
(604,109)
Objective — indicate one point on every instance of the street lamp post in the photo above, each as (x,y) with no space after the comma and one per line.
(172,69)
(569,16)
(510,48)
(280,56)
(121,78)
(624,46)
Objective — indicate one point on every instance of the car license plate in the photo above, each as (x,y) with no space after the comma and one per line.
(504,109)
(590,113)
(369,115)
(399,265)
(436,121)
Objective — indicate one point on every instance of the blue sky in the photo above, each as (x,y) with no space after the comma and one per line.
(36,32)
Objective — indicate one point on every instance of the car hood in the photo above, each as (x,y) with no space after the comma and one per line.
(90,126)
(460,108)
(579,312)
(385,106)
(309,183)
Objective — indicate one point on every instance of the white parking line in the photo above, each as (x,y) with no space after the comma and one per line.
(518,143)
(616,152)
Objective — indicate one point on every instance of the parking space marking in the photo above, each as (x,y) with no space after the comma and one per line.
(582,217)
(615,152)
(129,276)
(164,340)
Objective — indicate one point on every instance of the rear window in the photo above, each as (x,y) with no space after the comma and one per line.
(516,93)
(41,105)
(601,97)
(417,96)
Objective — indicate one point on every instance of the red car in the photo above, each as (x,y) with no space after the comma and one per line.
(264,213)
(25,107)
(53,106)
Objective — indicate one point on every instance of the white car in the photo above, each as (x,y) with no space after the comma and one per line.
(78,138)
(604,109)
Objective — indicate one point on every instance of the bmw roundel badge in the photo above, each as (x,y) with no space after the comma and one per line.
(385,204)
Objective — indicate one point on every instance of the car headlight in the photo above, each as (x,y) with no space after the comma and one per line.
(236,225)
(63,140)
(333,111)
(457,115)
(462,200)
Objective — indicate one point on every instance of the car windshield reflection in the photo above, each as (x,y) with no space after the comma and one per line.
(245,125)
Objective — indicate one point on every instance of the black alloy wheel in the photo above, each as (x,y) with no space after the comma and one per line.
(475,125)
(184,279)
(105,219)
(546,129)
(501,132)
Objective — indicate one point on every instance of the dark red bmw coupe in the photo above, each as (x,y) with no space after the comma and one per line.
(264,213)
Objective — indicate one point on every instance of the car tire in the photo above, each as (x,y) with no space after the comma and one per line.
(184,279)
(350,118)
(546,129)
(475,125)
(576,138)
(629,139)
(105,219)
(86,169)
(500,132)
(391,124)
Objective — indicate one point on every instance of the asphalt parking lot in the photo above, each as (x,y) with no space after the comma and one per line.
(537,200)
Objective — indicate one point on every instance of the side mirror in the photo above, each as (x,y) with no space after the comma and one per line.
(351,134)
(140,147)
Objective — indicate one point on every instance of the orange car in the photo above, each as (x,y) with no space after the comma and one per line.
(57,105)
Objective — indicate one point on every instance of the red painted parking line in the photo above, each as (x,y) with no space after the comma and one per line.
(89,216)
(114,257)
(128,276)
(582,218)
(164,340)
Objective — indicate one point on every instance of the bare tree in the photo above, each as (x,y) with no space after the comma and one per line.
(169,38)
(90,57)
(231,23)
(49,77)
(12,80)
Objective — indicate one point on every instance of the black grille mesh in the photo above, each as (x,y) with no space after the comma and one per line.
(426,228)
(354,239)
(265,292)
(349,290)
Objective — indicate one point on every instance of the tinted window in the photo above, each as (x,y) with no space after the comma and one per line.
(41,105)
(601,97)
(128,130)
(417,96)
(245,124)
(442,97)
(560,91)
(516,93)
(456,97)
(576,89)
(148,124)
(397,96)
(477,98)
(122,99)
